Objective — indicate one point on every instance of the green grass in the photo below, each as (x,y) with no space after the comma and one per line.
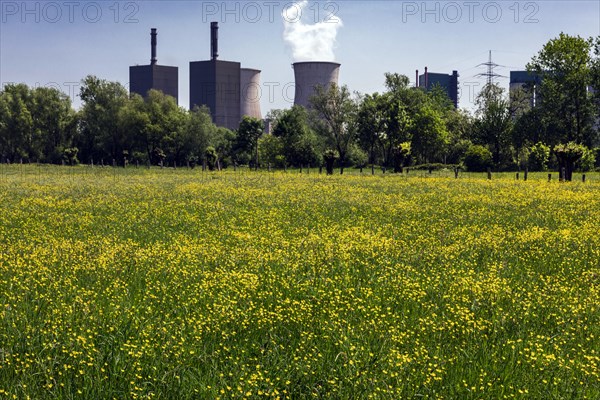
(136,283)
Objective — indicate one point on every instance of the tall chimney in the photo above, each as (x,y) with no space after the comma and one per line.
(214,40)
(153,45)
(417,79)
(426,79)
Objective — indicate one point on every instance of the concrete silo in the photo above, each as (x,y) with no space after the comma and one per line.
(310,74)
(250,93)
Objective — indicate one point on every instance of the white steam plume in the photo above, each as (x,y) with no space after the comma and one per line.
(310,42)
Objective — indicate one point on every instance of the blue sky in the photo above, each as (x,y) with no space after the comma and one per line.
(57,43)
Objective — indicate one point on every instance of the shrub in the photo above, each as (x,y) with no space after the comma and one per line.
(329,157)
(568,155)
(478,158)
(587,161)
(539,155)
(211,158)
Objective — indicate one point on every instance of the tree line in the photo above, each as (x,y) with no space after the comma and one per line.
(550,125)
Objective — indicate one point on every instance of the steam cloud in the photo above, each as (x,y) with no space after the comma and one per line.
(309,42)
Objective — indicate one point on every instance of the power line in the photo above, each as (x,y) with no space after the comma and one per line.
(490,74)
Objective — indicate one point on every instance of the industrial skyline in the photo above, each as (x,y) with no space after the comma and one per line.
(102,39)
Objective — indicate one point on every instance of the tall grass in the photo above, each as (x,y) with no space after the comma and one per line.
(175,284)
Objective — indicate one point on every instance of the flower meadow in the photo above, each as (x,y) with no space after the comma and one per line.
(178,284)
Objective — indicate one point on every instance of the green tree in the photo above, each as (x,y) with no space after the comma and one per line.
(223,142)
(565,65)
(370,124)
(270,149)
(493,123)
(200,133)
(101,136)
(430,135)
(54,124)
(337,110)
(134,122)
(300,143)
(250,130)
(16,122)
(167,127)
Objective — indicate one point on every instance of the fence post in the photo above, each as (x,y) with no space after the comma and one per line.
(525,174)
(549,177)
(489,173)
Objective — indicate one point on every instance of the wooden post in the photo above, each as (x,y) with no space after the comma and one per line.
(489,173)
(583,178)
(320,169)
(517,176)
(455,172)
(300,168)
(549,177)
(525,174)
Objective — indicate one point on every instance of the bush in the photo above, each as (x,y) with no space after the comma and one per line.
(211,156)
(434,167)
(270,149)
(568,155)
(539,155)
(356,156)
(478,158)
(329,156)
(587,161)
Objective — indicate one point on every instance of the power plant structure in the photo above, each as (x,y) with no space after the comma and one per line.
(229,91)
(527,81)
(142,78)
(250,93)
(310,74)
(448,82)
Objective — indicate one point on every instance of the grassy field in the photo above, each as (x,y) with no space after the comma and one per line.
(181,284)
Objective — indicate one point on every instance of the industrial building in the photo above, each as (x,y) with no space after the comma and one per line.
(229,91)
(449,83)
(250,93)
(309,75)
(528,82)
(142,78)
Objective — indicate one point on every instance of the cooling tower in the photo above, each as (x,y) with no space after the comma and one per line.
(311,74)
(250,93)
